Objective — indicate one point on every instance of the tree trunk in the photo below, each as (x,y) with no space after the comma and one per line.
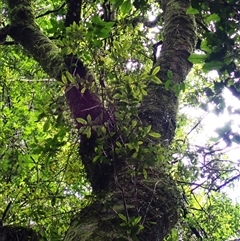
(122,193)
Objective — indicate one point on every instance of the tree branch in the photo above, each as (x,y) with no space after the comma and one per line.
(159,108)
(24,31)
(227,182)
(51,11)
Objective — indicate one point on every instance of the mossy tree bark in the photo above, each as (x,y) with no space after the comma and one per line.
(155,199)
(161,105)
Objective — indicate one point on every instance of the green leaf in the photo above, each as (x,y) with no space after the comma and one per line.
(134,123)
(97,42)
(117,96)
(126,7)
(87,131)
(122,217)
(118,3)
(97,20)
(197,58)
(169,74)
(144,76)
(70,77)
(213,65)
(64,79)
(105,32)
(154,134)
(89,118)
(192,10)
(177,89)
(145,173)
(81,121)
(213,17)
(96,158)
(118,144)
(135,220)
(67,50)
(182,87)
(103,130)
(167,84)
(228,60)
(156,80)
(46,125)
(109,24)
(204,46)
(41,116)
(156,70)
(146,130)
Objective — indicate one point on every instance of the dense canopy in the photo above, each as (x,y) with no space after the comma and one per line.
(102,104)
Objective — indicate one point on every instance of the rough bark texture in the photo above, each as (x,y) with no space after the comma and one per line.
(17,233)
(155,198)
(133,195)
(25,32)
(160,107)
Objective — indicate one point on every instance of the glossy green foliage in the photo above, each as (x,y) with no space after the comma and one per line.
(218,23)
(40,169)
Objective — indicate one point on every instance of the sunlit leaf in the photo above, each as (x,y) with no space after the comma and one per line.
(154,134)
(156,70)
(81,121)
(213,65)
(46,124)
(192,10)
(125,7)
(213,17)
(197,58)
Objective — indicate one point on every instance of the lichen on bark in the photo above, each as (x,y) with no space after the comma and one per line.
(159,108)
(155,198)
(23,30)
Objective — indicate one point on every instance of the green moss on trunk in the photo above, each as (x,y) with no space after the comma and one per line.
(160,106)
